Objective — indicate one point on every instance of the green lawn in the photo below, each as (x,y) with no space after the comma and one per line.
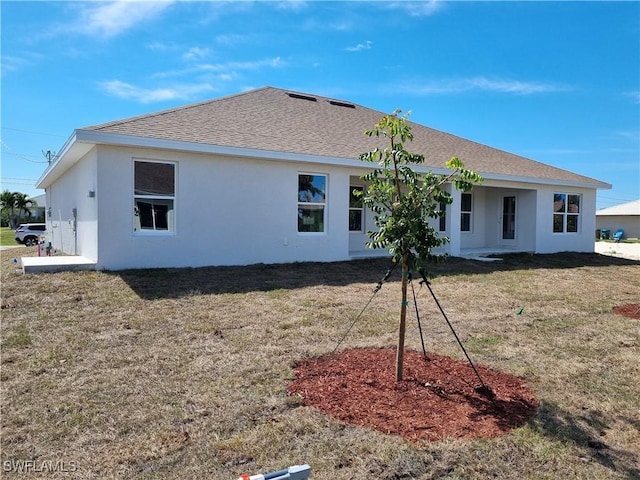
(7,236)
(184,373)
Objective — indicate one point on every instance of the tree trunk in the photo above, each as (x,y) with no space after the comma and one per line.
(403,322)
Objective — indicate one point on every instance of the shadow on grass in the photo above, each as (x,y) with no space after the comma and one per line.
(587,431)
(178,282)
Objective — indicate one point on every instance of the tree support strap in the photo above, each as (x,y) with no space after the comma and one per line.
(415,304)
(375,291)
(483,389)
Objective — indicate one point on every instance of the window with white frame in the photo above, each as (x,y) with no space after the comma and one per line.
(566,212)
(466,210)
(312,200)
(154,196)
(356,209)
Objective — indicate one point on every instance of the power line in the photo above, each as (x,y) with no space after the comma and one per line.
(33,132)
(616,199)
(29,184)
(19,155)
(24,157)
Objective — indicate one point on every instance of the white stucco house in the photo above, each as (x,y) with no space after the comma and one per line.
(266,176)
(625,216)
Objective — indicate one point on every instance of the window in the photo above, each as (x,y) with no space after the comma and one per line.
(154,194)
(442,227)
(465,212)
(312,199)
(356,209)
(566,212)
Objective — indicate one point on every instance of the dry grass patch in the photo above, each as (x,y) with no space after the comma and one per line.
(184,373)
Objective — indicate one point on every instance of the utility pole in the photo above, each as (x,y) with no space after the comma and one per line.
(48,155)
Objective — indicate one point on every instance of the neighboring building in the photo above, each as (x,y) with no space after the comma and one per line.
(38,211)
(35,214)
(266,176)
(625,216)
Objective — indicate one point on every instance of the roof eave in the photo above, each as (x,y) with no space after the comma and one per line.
(76,146)
(82,141)
(593,184)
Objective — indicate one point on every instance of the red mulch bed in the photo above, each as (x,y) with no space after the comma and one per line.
(631,310)
(437,399)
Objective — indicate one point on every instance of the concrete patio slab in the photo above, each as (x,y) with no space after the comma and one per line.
(56,264)
(630,251)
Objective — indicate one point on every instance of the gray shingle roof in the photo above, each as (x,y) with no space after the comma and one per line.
(273,119)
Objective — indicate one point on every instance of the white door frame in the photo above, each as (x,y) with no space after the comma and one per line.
(511,230)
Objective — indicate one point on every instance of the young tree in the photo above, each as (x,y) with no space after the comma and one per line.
(403,200)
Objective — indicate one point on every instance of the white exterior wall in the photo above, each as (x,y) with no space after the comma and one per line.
(534,219)
(476,237)
(70,192)
(228,211)
(525,228)
(239,211)
(549,242)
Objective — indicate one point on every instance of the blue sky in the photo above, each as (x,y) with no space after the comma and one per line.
(558,82)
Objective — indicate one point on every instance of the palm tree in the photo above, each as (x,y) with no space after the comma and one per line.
(8,203)
(16,205)
(23,203)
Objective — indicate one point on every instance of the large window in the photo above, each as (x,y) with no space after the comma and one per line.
(312,200)
(154,195)
(356,209)
(566,213)
(466,209)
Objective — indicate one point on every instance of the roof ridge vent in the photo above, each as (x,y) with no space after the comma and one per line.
(302,97)
(342,104)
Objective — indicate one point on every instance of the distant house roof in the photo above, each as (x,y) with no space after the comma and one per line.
(41,200)
(274,120)
(629,208)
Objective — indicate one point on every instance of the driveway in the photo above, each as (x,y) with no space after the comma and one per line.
(622,250)
(10,247)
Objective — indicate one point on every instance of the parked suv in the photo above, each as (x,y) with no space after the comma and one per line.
(28,233)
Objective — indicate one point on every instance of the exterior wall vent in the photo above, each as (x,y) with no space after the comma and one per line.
(342,104)
(302,97)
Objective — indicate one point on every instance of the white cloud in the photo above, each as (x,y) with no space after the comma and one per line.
(223,68)
(291,5)
(418,9)
(481,83)
(232,39)
(161,46)
(635,96)
(11,64)
(361,46)
(275,62)
(196,53)
(127,91)
(109,19)
(632,135)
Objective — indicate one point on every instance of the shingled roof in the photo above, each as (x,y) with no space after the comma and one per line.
(272,119)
